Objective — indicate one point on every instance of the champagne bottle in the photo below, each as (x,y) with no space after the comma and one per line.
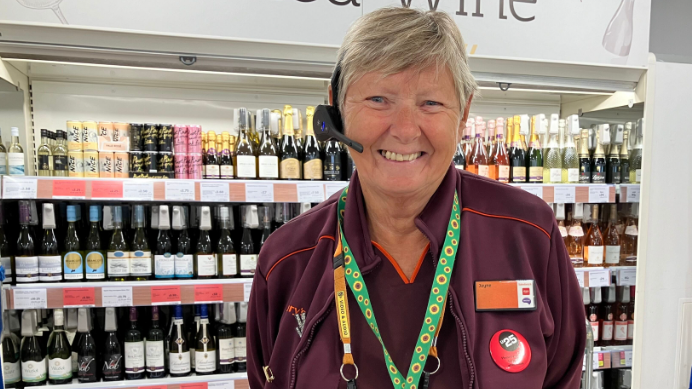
(552,165)
(164,260)
(134,349)
(72,332)
(613,169)
(60,155)
(227,258)
(570,158)
(87,353)
(118,250)
(268,152)
(534,158)
(205,352)
(205,259)
(226,341)
(240,340)
(26,261)
(49,260)
(225,158)
(192,340)
(184,260)
(179,354)
(34,367)
(584,158)
(625,155)
(312,160)
(333,163)
(95,261)
(500,156)
(598,163)
(637,153)
(154,351)
(211,164)
(11,362)
(290,154)
(245,160)
(72,260)
(248,255)
(517,153)
(141,262)
(5,254)
(112,353)
(265,224)
(59,354)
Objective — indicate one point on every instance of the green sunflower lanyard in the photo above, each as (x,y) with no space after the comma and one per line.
(346,269)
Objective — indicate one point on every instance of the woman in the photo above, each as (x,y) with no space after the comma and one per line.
(419,275)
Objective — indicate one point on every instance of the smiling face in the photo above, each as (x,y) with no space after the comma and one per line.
(408,124)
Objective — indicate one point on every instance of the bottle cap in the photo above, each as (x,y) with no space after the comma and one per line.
(634,210)
(625,294)
(178,217)
(223,213)
(296,118)
(93,213)
(278,213)
(203,312)
(205,219)
(587,213)
(304,207)
(6,328)
(154,313)
(24,212)
(117,214)
(596,295)
(44,133)
(228,313)
(178,312)
(554,124)
(242,118)
(58,317)
(559,211)
(111,321)
(71,319)
(49,215)
(139,215)
(15,131)
(286,213)
(83,320)
(586,296)
(242,312)
(154,217)
(197,310)
(523,124)
(133,313)
(610,294)
(578,211)
(264,216)
(164,221)
(29,322)
(250,216)
(71,212)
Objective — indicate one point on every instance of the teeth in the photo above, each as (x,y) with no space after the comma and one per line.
(400,157)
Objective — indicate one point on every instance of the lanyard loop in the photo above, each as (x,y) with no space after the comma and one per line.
(346,270)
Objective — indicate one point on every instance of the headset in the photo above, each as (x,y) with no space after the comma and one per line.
(327,121)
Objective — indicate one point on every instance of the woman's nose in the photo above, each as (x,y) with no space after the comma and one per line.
(405,126)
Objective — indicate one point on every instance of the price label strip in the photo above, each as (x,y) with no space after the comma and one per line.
(580,278)
(222,385)
(310,193)
(259,192)
(69,189)
(120,296)
(165,295)
(180,191)
(208,293)
(633,194)
(247,288)
(141,190)
(334,187)
(14,188)
(30,299)
(564,194)
(627,277)
(107,190)
(599,278)
(214,191)
(534,190)
(598,194)
(78,298)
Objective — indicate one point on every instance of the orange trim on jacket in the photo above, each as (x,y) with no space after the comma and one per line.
(296,252)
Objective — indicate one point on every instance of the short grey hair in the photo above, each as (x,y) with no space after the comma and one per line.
(391,40)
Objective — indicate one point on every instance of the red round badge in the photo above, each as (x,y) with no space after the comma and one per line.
(510,351)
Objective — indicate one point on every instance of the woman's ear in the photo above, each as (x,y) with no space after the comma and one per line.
(462,123)
(467,109)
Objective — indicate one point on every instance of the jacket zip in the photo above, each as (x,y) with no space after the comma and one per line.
(460,324)
(309,341)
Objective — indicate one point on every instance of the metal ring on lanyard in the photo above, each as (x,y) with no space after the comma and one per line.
(438,365)
(352,379)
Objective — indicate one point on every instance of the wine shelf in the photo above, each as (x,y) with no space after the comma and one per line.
(126,294)
(214,381)
(599,276)
(611,357)
(171,190)
(571,193)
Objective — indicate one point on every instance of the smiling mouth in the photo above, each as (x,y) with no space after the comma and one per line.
(401,157)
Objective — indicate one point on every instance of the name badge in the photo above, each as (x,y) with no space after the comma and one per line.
(514,295)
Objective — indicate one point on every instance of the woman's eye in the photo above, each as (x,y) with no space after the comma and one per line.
(376,99)
(431,103)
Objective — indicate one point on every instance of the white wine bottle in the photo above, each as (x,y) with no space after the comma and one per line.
(15,156)
(59,354)
(34,369)
(205,352)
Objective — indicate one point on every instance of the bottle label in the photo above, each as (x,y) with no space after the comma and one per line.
(60,162)
(11,372)
(630,329)
(49,268)
(44,162)
(612,255)
(620,330)
(95,266)
(536,174)
(576,231)
(594,329)
(584,171)
(164,266)
(3,166)
(518,174)
(492,172)
(33,371)
(86,367)
(484,171)
(113,366)
(155,356)
(638,176)
(118,263)
(26,269)
(460,167)
(290,169)
(595,255)
(248,264)
(7,264)
(503,173)
(312,169)
(629,230)
(572,176)
(615,173)
(226,171)
(134,357)
(73,267)
(607,330)
(556,175)
(184,265)
(269,166)
(179,363)
(598,175)
(472,169)
(563,231)
(60,369)
(625,172)
(240,349)
(206,264)
(205,362)
(226,351)
(15,161)
(211,171)
(332,167)
(229,263)
(140,263)
(245,166)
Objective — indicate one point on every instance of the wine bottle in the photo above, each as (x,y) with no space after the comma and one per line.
(59,354)
(265,223)
(312,154)
(95,261)
(598,163)
(49,263)
(225,158)
(15,155)
(570,158)
(72,260)
(6,257)
(26,261)
(154,345)
(184,260)
(227,258)
(594,249)
(534,157)
(268,152)
(11,362)
(44,332)
(118,250)
(290,154)
(192,340)
(179,354)
(477,161)
(248,255)
(500,157)
(613,168)
(240,340)
(205,259)
(45,155)
(141,262)
(621,317)
(517,153)
(164,260)
(205,351)
(624,155)
(87,362)
(552,164)
(34,367)
(211,165)
(134,349)
(226,341)
(459,157)
(298,134)
(112,354)
(71,329)
(333,165)
(245,160)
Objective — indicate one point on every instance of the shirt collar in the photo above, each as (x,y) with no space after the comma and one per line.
(432,222)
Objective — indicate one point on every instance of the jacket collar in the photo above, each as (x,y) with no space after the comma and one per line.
(432,222)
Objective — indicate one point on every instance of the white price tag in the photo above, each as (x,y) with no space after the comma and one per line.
(310,193)
(214,191)
(247,288)
(18,188)
(257,192)
(599,278)
(534,190)
(221,385)
(30,299)
(117,296)
(633,194)
(334,187)
(598,194)
(628,358)
(627,277)
(597,357)
(139,190)
(565,194)
(180,190)
(580,278)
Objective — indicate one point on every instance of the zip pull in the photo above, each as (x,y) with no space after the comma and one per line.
(351,384)
(426,380)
